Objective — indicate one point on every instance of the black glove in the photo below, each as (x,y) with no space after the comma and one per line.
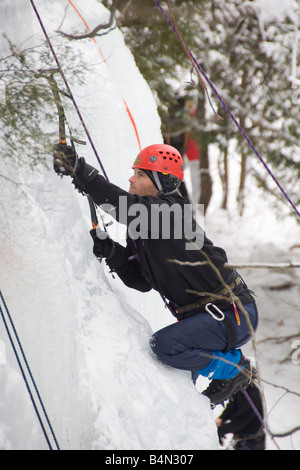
(104,246)
(67,163)
(65,159)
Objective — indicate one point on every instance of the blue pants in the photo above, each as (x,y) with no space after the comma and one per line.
(190,344)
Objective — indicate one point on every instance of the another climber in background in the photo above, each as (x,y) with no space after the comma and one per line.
(239,419)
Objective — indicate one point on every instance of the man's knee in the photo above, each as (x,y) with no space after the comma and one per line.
(156,345)
(161,347)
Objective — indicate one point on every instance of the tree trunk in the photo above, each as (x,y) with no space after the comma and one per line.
(241,191)
(223,172)
(205,178)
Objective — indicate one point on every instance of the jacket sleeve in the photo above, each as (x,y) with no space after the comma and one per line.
(128,269)
(119,203)
(110,197)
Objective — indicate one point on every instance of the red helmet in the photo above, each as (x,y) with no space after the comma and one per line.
(161,158)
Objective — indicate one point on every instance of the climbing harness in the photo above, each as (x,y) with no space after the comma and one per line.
(222,297)
(220,315)
(21,357)
(212,305)
(231,332)
(226,108)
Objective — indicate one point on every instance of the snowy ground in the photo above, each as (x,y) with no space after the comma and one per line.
(85,334)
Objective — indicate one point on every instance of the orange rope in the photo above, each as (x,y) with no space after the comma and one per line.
(87,27)
(95,41)
(133,123)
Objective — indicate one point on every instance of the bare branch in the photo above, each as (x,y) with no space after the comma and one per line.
(281,387)
(106,26)
(291,264)
(288,433)
(280,339)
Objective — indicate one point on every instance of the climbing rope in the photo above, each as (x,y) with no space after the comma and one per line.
(259,417)
(19,355)
(228,111)
(68,89)
(104,60)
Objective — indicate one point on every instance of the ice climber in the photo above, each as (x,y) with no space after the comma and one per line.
(168,251)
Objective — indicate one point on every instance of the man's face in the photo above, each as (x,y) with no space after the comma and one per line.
(141,184)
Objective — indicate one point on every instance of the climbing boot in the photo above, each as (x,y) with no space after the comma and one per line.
(219,391)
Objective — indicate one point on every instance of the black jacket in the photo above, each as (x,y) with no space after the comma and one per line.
(147,262)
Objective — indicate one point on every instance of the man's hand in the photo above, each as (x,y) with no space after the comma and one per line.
(65,159)
(221,433)
(103,244)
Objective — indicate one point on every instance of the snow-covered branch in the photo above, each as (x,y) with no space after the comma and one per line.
(107,27)
(291,264)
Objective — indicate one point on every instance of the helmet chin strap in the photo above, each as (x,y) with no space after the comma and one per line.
(157,182)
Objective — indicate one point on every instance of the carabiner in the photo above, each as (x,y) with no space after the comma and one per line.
(215,317)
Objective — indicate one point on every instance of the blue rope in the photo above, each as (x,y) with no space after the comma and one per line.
(232,117)
(29,372)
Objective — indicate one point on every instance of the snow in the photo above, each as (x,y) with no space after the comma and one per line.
(86,342)
(86,336)
(276,10)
